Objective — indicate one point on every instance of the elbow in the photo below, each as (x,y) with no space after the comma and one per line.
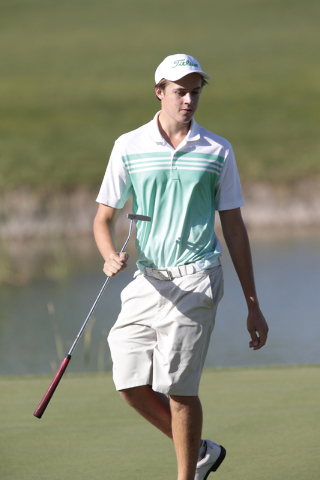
(105,218)
(99,223)
(96,226)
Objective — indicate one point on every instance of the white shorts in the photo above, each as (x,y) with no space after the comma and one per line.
(162,334)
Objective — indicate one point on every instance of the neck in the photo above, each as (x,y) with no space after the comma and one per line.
(173,132)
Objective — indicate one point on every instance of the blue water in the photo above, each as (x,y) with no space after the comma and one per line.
(287,275)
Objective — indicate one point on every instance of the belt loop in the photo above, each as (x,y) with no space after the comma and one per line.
(190,269)
(175,272)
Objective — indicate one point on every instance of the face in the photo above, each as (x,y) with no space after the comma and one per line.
(180,99)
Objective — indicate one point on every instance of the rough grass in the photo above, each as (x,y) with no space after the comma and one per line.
(267,418)
(77,74)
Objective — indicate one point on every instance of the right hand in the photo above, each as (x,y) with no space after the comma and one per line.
(115,264)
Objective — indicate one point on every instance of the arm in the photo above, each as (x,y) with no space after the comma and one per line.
(104,234)
(236,237)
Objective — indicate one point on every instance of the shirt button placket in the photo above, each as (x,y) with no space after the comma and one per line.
(174,169)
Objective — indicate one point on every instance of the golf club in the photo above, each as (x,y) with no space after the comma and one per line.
(47,396)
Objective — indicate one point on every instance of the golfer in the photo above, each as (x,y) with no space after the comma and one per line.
(179,174)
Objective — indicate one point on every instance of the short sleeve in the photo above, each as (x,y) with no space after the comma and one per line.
(116,186)
(228,187)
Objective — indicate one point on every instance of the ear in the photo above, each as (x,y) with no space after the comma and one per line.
(159,93)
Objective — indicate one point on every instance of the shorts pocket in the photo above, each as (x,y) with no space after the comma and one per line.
(217,285)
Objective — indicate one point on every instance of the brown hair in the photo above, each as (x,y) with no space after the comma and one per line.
(164,82)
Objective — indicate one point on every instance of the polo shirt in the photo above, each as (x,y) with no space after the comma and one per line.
(180,189)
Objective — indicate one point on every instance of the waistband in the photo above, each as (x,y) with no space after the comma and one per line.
(175,272)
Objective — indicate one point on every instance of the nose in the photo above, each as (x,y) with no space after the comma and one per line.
(188,98)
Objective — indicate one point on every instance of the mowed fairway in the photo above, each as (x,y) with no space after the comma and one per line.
(268,419)
(76,74)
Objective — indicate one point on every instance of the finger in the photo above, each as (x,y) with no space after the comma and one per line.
(254,338)
(262,339)
(113,263)
(259,342)
(110,271)
(115,259)
(124,257)
(112,267)
(255,343)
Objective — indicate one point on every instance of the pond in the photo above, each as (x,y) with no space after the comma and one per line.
(48,289)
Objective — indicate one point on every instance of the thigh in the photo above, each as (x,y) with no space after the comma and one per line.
(184,331)
(132,339)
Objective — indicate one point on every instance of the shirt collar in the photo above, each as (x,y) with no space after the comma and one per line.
(154,130)
(194,132)
(192,135)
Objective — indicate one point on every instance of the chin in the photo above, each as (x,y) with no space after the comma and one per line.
(186,117)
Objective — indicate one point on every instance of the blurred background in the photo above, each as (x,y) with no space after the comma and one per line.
(75,75)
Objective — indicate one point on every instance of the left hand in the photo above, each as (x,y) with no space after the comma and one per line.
(258,329)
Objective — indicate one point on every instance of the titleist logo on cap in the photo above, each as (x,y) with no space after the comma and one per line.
(184,63)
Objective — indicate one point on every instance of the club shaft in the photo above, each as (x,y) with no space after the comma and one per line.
(97,299)
(55,382)
(88,317)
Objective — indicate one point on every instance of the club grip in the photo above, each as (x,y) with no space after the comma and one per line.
(53,385)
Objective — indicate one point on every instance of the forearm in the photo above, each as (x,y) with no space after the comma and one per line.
(236,238)
(240,252)
(104,230)
(104,234)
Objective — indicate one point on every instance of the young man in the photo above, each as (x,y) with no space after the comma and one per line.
(178,174)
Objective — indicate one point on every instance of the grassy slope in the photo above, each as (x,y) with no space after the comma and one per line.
(267,418)
(76,74)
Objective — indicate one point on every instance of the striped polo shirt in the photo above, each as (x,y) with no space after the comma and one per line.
(180,189)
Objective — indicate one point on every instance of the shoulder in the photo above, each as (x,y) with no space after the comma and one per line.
(214,139)
(210,142)
(139,134)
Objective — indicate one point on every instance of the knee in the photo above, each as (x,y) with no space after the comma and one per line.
(132,396)
(179,403)
(127,396)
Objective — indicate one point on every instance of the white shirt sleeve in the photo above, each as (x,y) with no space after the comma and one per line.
(228,187)
(116,186)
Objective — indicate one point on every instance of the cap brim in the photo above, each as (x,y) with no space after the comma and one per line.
(181,74)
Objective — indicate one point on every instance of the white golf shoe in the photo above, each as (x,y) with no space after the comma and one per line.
(214,456)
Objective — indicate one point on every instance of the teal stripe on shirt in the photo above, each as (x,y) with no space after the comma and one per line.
(142,156)
(206,156)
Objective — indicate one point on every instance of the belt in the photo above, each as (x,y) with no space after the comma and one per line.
(175,272)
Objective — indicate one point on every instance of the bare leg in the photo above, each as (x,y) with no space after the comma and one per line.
(180,419)
(186,429)
(153,406)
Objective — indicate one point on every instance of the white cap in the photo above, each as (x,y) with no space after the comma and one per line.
(177,66)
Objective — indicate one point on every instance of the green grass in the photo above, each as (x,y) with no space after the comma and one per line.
(76,74)
(267,418)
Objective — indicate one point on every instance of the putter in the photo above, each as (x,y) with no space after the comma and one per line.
(55,382)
